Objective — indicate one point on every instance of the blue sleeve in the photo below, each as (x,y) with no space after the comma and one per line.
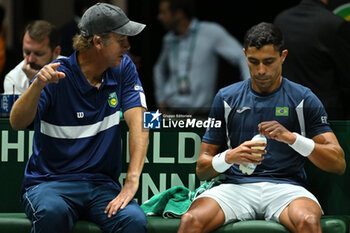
(215,135)
(315,116)
(44,101)
(132,91)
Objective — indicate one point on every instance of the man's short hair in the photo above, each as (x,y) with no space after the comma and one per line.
(186,6)
(264,34)
(40,29)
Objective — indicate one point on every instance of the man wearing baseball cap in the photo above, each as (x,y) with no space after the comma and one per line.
(75,104)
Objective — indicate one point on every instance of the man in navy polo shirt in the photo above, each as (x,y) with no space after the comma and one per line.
(75,104)
(270,186)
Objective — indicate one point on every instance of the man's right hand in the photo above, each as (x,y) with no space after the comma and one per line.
(243,153)
(28,70)
(49,74)
(24,109)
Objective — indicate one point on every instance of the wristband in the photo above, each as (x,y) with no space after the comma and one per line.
(303,145)
(219,164)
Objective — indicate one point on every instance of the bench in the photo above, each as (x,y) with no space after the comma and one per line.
(19,223)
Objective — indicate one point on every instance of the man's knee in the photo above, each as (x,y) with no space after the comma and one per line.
(52,217)
(190,220)
(308,221)
(139,221)
(133,220)
(53,210)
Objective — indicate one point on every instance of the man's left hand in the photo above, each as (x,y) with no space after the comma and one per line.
(122,200)
(274,130)
(28,70)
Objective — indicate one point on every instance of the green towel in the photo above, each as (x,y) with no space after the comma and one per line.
(175,201)
(205,186)
(172,202)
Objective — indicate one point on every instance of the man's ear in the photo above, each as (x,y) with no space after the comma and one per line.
(97,41)
(245,54)
(284,54)
(56,52)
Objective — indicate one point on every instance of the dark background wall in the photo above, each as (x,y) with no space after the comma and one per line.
(236,16)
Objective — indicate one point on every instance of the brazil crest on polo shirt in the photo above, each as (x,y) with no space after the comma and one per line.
(113,100)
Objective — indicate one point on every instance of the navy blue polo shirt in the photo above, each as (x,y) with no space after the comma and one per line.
(241,109)
(77,132)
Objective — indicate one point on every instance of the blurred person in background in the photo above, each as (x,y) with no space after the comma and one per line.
(319,53)
(185,73)
(40,46)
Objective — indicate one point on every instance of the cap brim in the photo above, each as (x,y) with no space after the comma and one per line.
(130,29)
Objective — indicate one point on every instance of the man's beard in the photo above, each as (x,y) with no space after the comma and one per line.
(35,66)
(38,67)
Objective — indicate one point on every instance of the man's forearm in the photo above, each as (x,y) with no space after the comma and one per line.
(24,109)
(138,142)
(138,151)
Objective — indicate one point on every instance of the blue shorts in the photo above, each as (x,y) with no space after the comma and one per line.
(56,206)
